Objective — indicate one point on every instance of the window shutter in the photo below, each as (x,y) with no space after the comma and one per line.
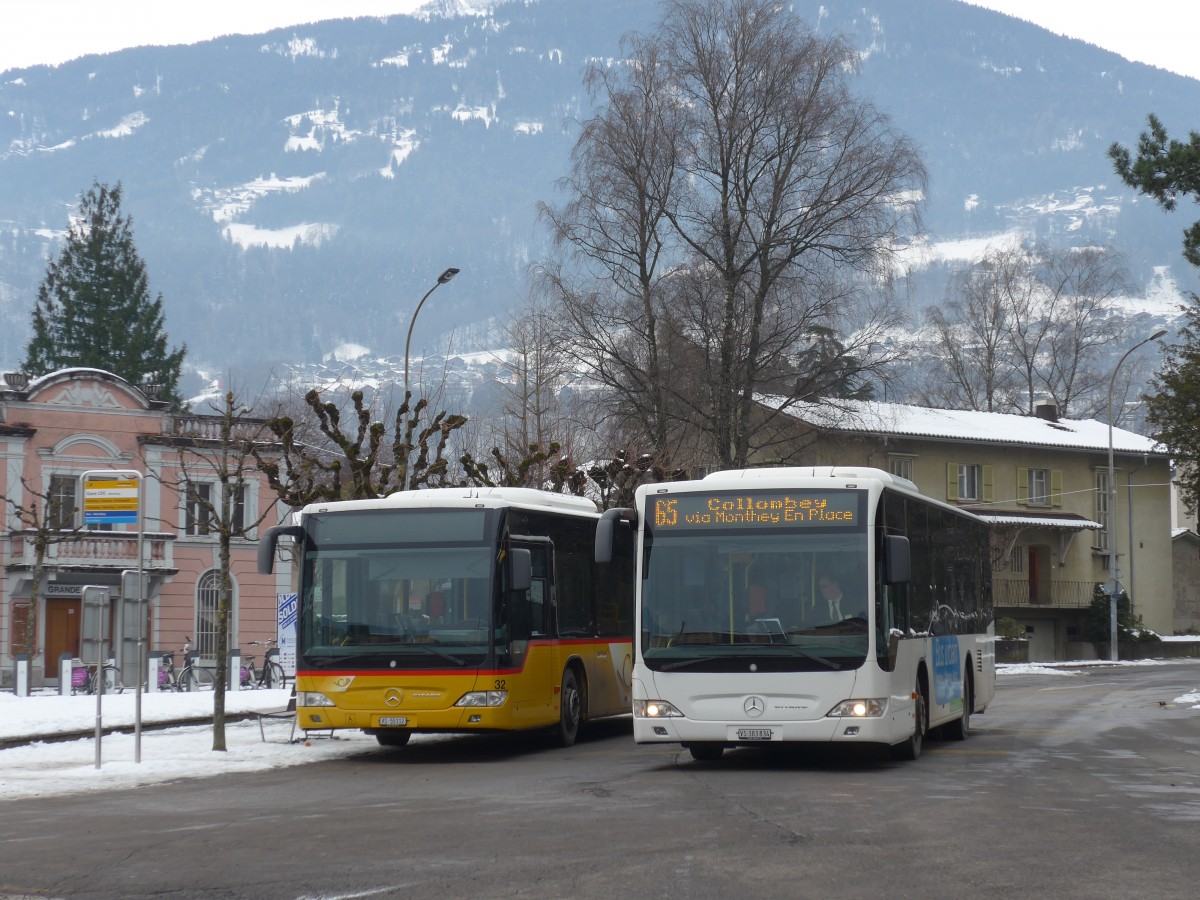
(989,490)
(1056,487)
(952,482)
(1023,486)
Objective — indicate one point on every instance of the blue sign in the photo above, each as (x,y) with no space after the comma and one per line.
(947,671)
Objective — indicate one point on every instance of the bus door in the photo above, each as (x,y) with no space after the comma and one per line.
(529,618)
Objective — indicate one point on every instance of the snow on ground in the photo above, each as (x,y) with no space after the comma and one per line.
(47,768)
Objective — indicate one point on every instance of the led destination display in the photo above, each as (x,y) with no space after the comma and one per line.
(757,509)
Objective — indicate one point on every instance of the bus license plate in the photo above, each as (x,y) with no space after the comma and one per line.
(754,734)
(393,720)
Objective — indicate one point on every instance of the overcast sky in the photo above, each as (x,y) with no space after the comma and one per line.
(1159,32)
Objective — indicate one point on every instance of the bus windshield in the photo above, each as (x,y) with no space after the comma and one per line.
(375,594)
(777,599)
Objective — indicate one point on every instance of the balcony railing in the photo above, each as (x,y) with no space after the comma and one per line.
(103,549)
(1055,594)
(208,428)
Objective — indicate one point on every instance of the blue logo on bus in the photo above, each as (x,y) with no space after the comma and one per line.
(947,670)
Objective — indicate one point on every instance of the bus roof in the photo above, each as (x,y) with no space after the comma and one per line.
(464,497)
(838,472)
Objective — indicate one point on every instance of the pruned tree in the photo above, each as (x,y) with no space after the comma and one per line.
(213,475)
(362,463)
(94,306)
(753,183)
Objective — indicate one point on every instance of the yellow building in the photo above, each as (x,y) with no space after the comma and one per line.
(1043,484)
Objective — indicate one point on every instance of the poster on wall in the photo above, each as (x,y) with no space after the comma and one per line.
(289,607)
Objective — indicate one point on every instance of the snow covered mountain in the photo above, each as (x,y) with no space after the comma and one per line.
(295,191)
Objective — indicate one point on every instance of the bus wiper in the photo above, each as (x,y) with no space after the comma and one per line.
(800,651)
(797,651)
(351,658)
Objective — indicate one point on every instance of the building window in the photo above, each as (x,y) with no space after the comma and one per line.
(1039,487)
(901,466)
(208,598)
(201,515)
(199,509)
(1018,560)
(1103,512)
(62,502)
(60,506)
(969,482)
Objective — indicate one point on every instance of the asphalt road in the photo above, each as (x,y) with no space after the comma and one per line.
(1085,786)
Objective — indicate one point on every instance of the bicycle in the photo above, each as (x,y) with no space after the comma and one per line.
(83,678)
(270,676)
(191,677)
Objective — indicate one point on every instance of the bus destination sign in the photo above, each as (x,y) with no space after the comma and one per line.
(757,509)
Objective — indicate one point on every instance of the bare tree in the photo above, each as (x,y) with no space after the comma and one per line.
(1082,286)
(974,366)
(42,521)
(615,228)
(1028,325)
(215,472)
(762,183)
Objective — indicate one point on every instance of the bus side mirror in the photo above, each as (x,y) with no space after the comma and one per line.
(268,542)
(897,559)
(604,532)
(520,569)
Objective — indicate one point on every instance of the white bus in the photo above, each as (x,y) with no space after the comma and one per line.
(806,604)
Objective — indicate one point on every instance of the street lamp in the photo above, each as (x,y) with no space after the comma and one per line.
(442,279)
(1114,567)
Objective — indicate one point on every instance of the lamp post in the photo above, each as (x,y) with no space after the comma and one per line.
(442,279)
(1114,567)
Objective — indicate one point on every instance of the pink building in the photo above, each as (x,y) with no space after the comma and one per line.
(66,423)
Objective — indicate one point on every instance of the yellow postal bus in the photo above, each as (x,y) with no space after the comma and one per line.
(458,610)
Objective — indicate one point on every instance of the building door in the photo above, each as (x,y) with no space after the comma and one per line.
(63,622)
(1039,573)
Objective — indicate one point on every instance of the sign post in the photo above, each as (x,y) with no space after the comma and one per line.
(115,497)
(95,603)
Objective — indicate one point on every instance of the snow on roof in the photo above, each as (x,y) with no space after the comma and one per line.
(964,425)
(1072,521)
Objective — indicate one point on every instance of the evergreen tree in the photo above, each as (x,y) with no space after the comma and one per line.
(94,306)
(1164,169)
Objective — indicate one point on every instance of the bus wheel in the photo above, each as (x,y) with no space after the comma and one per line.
(706,752)
(392,738)
(569,707)
(910,749)
(960,729)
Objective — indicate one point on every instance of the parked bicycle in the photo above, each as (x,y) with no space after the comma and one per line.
(192,677)
(84,680)
(271,675)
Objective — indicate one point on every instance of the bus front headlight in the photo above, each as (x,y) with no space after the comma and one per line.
(655,709)
(859,709)
(312,698)
(482,698)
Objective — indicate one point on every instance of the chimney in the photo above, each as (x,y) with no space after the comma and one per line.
(1047,411)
